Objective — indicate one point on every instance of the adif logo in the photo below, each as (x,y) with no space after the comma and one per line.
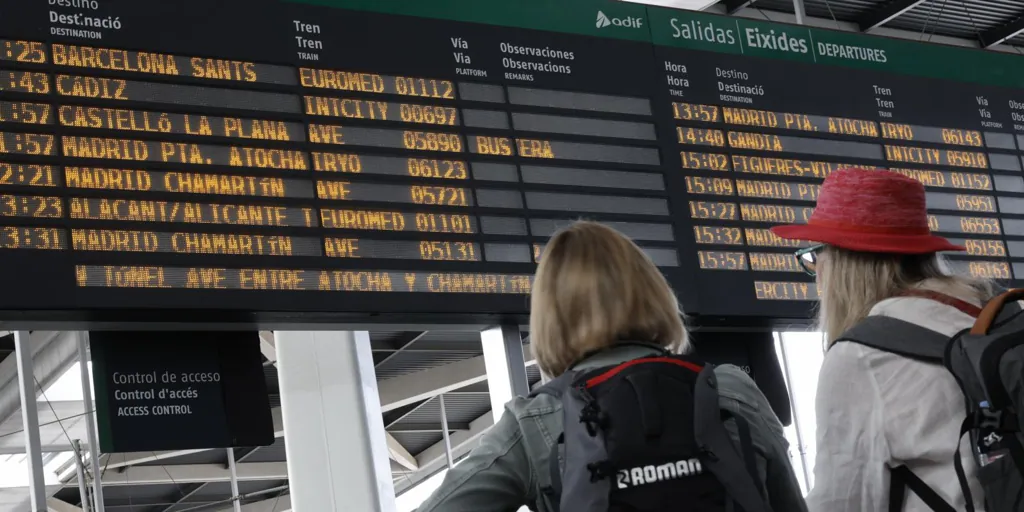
(652,474)
(629,22)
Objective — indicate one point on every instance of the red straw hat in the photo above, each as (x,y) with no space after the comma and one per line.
(870,211)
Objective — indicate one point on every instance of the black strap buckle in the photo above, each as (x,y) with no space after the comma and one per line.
(593,418)
(992,420)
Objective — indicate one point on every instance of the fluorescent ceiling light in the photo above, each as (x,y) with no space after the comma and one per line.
(692,5)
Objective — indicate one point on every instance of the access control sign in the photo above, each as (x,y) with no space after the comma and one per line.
(179,390)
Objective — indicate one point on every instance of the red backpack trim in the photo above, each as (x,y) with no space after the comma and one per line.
(594,381)
(962,305)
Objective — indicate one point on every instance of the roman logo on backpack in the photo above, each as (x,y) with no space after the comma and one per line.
(648,435)
(988,363)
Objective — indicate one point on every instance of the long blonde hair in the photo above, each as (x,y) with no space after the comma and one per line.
(851,283)
(594,287)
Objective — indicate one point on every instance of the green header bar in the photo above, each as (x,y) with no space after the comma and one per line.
(601,18)
(709,32)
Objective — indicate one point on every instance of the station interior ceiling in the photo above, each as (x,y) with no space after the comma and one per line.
(413,369)
(992,24)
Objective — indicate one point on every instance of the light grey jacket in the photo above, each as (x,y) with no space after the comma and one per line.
(510,467)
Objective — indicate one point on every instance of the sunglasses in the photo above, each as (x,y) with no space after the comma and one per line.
(808,258)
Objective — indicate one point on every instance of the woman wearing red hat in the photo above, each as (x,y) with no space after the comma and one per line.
(877,410)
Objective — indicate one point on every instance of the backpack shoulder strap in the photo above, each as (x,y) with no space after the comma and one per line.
(551,480)
(1010,309)
(720,454)
(901,479)
(898,337)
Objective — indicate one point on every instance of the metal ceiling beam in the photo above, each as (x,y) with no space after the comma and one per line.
(241,457)
(53,352)
(432,427)
(268,346)
(55,505)
(415,387)
(186,495)
(198,487)
(117,461)
(47,448)
(731,6)
(799,11)
(434,458)
(886,13)
(276,491)
(402,345)
(394,415)
(400,455)
(996,35)
(193,474)
(282,503)
(408,412)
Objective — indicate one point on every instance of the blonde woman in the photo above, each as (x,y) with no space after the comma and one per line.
(597,301)
(879,412)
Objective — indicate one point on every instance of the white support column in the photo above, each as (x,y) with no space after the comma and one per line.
(505,365)
(99,504)
(235,499)
(798,10)
(334,432)
(80,467)
(445,434)
(30,421)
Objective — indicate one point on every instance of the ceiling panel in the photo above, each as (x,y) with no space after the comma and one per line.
(203,457)
(959,18)
(533,373)
(956,18)
(847,10)
(466,407)
(428,413)
(407,362)
(128,494)
(416,442)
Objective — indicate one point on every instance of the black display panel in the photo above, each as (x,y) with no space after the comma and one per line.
(199,390)
(245,160)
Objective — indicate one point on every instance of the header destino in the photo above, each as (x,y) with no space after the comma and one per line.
(743,35)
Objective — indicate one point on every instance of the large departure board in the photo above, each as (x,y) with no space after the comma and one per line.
(328,159)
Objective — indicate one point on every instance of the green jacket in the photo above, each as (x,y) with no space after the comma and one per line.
(510,467)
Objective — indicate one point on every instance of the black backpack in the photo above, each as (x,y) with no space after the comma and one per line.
(988,363)
(648,435)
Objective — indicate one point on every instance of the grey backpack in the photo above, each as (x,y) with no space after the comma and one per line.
(649,435)
(988,363)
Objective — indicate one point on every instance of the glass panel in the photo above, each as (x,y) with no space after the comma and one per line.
(801,355)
